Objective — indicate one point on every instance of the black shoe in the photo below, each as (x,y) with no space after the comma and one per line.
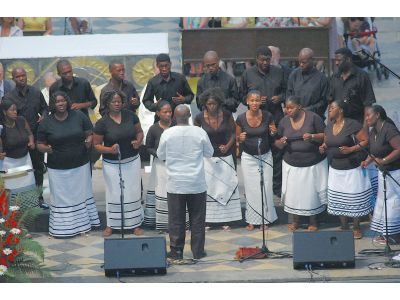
(44,206)
(175,254)
(204,254)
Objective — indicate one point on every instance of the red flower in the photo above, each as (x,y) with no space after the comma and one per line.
(3,261)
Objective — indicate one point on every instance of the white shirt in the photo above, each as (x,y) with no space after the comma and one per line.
(183,148)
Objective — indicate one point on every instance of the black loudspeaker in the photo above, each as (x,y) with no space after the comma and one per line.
(323,249)
(135,256)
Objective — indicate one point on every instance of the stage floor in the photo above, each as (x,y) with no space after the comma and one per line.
(80,259)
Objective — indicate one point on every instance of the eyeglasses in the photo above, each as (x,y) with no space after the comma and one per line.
(211,65)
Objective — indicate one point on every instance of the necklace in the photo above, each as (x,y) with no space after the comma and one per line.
(297,124)
(377,132)
(209,121)
(337,128)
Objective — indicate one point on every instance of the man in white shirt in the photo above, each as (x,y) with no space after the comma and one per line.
(183,147)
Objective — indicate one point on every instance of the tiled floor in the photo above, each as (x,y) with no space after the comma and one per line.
(80,259)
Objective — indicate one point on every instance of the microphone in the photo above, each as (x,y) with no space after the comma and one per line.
(118,149)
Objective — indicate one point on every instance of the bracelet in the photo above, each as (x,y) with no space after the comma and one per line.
(312,136)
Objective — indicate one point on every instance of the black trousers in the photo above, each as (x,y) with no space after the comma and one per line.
(37,158)
(277,155)
(196,204)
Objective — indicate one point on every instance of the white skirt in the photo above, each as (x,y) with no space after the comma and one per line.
(72,207)
(133,210)
(161,196)
(373,175)
(393,205)
(223,200)
(349,192)
(22,188)
(251,178)
(304,189)
(150,203)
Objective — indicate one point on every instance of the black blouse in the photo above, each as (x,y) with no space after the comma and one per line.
(122,134)
(153,138)
(346,137)
(67,138)
(219,136)
(250,144)
(300,153)
(379,143)
(15,140)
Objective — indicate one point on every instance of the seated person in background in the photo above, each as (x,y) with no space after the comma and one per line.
(273,22)
(360,35)
(82,25)
(196,69)
(42,24)
(48,79)
(8,27)
(236,22)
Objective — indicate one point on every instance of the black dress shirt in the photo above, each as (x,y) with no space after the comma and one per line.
(356,91)
(129,91)
(228,85)
(80,92)
(161,89)
(30,104)
(311,87)
(269,84)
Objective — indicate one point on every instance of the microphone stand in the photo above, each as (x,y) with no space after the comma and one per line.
(385,173)
(122,188)
(264,250)
(379,63)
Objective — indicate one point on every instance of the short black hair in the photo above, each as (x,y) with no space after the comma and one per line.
(214,93)
(52,101)
(344,106)
(109,95)
(63,62)
(253,92)
(162,57)
(263,50)
(161,104)
(293,99)
(346,52)
(114,62)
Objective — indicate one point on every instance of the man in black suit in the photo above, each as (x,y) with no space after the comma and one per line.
(5,85)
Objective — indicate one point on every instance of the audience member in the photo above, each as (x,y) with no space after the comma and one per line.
(8,27)
(196,69)
(36,25)
(5,84)
(75,26)
(48,79)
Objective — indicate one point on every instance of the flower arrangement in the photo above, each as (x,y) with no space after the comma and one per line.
(20,256)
